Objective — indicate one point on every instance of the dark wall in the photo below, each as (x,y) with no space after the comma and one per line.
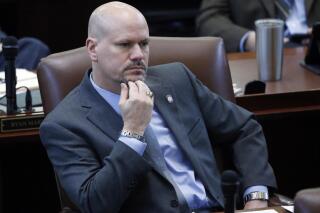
(63,24)
(294,149)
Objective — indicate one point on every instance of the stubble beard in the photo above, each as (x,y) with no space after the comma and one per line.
(134,77)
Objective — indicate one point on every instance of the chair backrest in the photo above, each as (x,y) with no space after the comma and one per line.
(59,73)
(205,56)
(307,201)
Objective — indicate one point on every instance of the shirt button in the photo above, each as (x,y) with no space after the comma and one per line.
(174,203)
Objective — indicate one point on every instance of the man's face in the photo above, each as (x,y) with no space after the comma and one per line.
(122,54)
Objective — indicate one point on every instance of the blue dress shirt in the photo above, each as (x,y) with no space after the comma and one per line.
(296,22)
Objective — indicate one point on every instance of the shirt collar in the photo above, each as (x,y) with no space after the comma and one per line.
(109,97)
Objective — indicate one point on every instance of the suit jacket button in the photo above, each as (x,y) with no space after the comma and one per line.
(133,183)
(174,203)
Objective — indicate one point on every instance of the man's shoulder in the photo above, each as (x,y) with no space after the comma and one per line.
(67,107)
(177,75)
(166,66)
(167,69)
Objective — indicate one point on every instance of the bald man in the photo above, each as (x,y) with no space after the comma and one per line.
(119,144)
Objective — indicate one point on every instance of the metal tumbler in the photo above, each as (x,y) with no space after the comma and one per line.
(269,48)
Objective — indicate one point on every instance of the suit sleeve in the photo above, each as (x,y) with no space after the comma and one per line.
(231,125)
(92,185)
(215,20)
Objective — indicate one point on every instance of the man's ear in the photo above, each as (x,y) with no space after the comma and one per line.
(91,44)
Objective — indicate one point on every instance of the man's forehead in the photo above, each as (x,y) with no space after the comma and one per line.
(120,15)
(123,24)
(129,30)
(130,37)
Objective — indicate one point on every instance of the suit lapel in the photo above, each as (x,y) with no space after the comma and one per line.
(169,111)
(100,113)
(308,4)
(106,119)
(270,8)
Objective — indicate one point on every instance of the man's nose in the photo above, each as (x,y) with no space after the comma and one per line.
(136,53)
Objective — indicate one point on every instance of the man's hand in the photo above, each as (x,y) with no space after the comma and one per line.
(136,106)
(250,44)
(256,204)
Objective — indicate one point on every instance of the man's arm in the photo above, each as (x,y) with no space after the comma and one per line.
(91,182)
(256,197)
(231,125)
(215,20)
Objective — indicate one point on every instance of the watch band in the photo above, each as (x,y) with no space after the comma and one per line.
(129,134)
(256,196)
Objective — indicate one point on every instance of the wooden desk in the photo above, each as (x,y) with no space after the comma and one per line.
(278,209)
(299,89)
(289,113)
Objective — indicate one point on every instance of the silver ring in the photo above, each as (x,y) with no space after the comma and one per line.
(149,93)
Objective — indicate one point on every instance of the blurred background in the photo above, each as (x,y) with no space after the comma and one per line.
(62,24)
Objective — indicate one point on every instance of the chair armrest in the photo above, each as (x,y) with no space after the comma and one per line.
(68,210)
(279,200)
(307,200)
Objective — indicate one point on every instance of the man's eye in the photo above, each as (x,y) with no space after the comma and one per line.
(144,43)
(125,44)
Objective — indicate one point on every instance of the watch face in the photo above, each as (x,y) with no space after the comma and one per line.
(132,135)
(256,196)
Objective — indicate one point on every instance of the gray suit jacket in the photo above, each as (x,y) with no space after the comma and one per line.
(101,174)
(231,19)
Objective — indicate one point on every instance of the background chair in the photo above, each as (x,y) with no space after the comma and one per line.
(307,201)
(205,56)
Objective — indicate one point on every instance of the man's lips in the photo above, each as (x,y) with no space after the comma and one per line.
(136,70)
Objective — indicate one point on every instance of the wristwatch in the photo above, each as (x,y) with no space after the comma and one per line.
(129,134)
(256,196)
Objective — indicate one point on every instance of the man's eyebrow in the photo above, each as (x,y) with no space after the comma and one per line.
(123,40)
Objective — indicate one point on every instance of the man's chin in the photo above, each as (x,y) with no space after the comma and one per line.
(134,78)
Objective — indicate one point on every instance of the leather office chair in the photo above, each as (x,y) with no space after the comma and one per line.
(205,56)
(307,201)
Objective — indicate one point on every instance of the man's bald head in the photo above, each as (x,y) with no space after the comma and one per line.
(109,15)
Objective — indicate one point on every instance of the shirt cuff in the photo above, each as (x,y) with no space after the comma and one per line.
(243,41)
(134,144)
(258,188)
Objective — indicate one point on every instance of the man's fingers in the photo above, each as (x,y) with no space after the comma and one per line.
(124,94)
(141,85)
(143,89)
(133,89)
